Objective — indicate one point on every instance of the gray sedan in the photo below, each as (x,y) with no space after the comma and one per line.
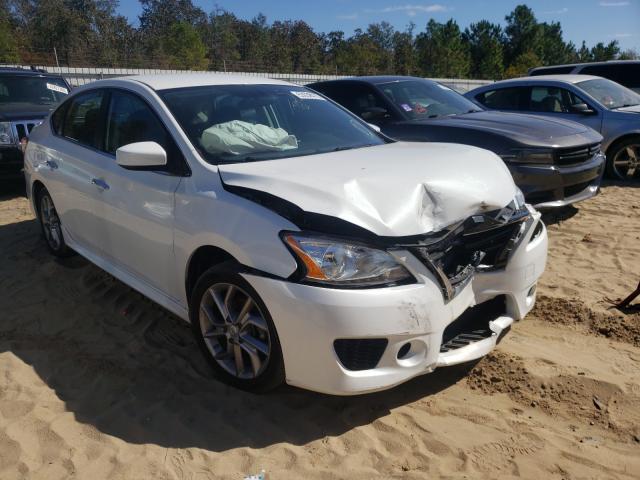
(601,104)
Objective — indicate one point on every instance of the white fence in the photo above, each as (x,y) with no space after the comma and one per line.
(83,75)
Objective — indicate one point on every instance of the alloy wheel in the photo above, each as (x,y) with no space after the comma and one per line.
(626,162)
(235,331)
(50,222)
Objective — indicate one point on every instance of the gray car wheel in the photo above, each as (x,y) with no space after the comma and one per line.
(623,161)
(51,225)
(235,331)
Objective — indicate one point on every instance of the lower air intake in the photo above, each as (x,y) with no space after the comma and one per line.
(360,353)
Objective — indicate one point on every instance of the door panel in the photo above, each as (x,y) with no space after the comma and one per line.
(138,223)
(73,162)
(139,204)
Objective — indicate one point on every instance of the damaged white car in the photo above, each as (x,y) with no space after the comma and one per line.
(303,246)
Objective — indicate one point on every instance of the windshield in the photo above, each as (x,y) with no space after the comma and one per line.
(31,90)
(610,94)
(422,99)
(241,123)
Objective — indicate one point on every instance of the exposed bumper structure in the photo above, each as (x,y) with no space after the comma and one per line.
(353,341)
(552,186)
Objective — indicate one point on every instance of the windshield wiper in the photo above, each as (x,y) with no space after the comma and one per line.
(626,105)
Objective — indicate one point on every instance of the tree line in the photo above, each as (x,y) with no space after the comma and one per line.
(178,34)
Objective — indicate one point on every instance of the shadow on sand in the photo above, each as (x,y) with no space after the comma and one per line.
(127,367)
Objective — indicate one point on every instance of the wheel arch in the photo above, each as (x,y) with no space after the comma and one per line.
(202,259)
(36,188)
(619,139)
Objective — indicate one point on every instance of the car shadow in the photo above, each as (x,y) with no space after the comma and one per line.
(558,215)
(12,189)
(132,370)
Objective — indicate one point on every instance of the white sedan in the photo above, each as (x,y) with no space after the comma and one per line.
(302,245)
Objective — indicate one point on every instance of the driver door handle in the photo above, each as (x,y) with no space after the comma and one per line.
(98,182)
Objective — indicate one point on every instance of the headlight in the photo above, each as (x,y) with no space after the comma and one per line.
(342,263)
(530,155)
(6,136)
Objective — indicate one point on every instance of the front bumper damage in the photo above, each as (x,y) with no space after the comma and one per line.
(361,340)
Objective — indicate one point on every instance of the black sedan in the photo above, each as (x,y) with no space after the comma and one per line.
(554,162)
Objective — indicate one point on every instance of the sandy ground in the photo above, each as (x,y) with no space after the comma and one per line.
(97,382)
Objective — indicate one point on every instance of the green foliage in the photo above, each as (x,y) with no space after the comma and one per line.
(442,51)
(178,34)
(8,45)
(485,43)
(185,47)
(521,64)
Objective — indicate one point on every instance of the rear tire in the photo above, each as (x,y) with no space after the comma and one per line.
(623,159)
(235,331)
(51,225)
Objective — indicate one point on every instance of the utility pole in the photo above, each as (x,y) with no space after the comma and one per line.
(55,54)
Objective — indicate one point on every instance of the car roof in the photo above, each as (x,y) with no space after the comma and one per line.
(373,79)
(27,73)
(566,78)
(167,81)
(574,65)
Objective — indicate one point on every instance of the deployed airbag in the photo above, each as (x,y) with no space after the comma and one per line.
(238,137)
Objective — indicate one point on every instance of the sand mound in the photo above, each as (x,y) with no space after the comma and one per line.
(615,325)
(569,396)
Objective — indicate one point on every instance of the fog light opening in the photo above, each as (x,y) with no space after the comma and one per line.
(404,350)
(531,292)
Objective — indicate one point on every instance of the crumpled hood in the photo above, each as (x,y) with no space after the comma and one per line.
(397,189)
(523,127)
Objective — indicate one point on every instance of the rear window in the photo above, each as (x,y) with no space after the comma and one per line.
(627,74)
(502,99)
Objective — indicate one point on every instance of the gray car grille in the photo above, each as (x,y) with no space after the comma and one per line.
(575,156)
(22,128)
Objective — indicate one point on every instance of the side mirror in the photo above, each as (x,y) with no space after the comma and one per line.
(141,155)
(582,108)
(375,127)
(373,114)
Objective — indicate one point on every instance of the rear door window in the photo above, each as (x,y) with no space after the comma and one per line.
(504,98)
(552,99)
(83,119)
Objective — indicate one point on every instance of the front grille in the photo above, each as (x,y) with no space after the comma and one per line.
(473,325)
(483,242)
(575,156)
(360,353)
(22,128)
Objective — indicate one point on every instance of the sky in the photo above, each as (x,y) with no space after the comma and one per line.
(590,20)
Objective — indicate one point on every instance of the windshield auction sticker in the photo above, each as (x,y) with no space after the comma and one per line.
(306,95)
(57,88)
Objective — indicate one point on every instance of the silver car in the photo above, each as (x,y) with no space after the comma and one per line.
(605,106)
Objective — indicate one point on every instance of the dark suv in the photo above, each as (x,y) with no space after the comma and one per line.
(554,162)
(624,72)
(26,98)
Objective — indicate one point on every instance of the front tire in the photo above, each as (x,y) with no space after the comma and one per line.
(623,159)
(235,331)
(51,225)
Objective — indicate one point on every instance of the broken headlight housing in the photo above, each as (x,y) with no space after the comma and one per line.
(345,263)
(6,136)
